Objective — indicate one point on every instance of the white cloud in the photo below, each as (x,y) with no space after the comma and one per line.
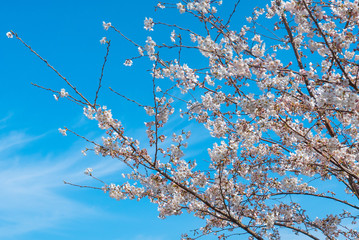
(32,188)
(14,139)
(4,120)
(33,195)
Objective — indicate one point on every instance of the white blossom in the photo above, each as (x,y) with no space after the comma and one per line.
(160,5)
(9,35)
(63,93)
(149,24)
(282,120)
(106,26)
(88,171)
(140,51)
(128,63)
(173,36)
(103,40)
(181,8)
(150,48)
(63,131)
(150,111)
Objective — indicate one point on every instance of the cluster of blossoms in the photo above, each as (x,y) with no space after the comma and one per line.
(103,116)
(276,120)
(184,75)
(149,24)
(181,7)
(280,126)
(150,48)
(201,6)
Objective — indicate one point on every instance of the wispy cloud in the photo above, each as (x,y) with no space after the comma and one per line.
(33,195)
(4,120)
(7,117)
(16,139)
(32,189)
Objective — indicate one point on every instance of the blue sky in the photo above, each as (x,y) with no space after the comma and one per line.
(35,158)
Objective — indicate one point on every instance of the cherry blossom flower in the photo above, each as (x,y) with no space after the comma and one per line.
(149,24)
(128,63)
(106,26)
(88,171)
(281,109)
(9,35)
(63,93)
(103,40)
(62,131)
(181,8)
(160,5)
(140,51)
(173,36)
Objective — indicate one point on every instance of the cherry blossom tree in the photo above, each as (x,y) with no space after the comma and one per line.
(280,98)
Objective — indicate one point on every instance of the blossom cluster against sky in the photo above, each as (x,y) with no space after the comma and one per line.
(35,158)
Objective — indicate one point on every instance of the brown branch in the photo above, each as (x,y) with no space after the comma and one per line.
(124,36)
(328,45)
(297,230)
(82,186)
(50,66)
(232,13)
(102,69)
(128,99)
(301,66)
(69,97)
(316,195)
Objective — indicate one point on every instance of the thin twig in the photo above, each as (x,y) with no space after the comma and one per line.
(234,10)
(137,45)
(50,66)
(82,186)
(102,69)
(128,99)
(69,97)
